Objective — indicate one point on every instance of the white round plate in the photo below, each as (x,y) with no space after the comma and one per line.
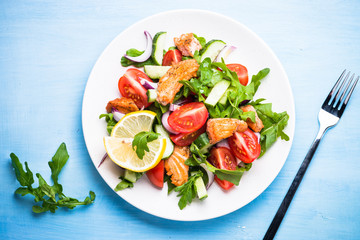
(252,52)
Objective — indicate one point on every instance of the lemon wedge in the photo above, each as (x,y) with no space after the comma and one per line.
(119,145)
(121,153)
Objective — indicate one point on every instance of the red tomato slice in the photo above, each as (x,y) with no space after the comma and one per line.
(189,117)
(172,57)
(130,87)
(241,71)
(185,139)
(222,158)
(156,175)
(245,146)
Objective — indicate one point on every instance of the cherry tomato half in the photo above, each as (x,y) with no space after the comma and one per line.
(172,57)
(241,71)
(185,139)
(222,158)
(189,117)
(130,87)
(156,175)
(245,146)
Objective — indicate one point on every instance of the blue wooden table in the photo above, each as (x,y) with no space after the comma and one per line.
(47,50)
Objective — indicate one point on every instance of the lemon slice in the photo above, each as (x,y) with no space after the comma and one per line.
(133,123)
(120,152)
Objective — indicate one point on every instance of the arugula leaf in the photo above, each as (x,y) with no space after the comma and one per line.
(256,79)
(232,176)
(196,56)
(197,158)
(51,197)
(201,40)
(25,179)
(171,186)
(274,124)
(111,122)
(126,183)
(132,52)
(141,140)
(187,191)
(58,162)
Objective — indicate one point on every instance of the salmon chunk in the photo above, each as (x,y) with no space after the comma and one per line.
(258,124)
(218,129)
(187,44)
(123,105)
(175,165)
(169,83)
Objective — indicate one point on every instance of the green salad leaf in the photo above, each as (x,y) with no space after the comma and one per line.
(51,197)
(126,183)
(132,52)
(274,124)
(141,140)
(187,191)
(111,122)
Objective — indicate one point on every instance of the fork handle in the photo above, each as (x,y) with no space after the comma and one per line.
(274,226)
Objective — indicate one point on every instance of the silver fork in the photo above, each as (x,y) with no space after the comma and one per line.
(329,115)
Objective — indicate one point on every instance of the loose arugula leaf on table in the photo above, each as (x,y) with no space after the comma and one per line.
(141,140)
(187,191)
(132,52)
(111,122)
(274,124)
(51,197)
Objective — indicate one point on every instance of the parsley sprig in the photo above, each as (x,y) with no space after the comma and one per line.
(51,197)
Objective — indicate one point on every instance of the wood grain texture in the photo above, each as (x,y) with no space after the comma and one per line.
(47,52)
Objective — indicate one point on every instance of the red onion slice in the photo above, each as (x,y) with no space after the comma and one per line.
(224,53)
(165,123)
(117,115)
(173,107)
(223,143)
(210,175)
(258,136)
(147,84)
(148,50)
(103,159)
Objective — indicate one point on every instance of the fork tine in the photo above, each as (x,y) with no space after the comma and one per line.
(336,98)
(348,97)
(328,98)
(344,92)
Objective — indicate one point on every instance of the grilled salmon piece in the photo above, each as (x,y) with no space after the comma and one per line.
(218,129)
(187,44)
(123,105)
(175,165)
(169,83)
(258,124)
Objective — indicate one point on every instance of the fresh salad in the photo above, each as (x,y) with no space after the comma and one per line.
(187,118)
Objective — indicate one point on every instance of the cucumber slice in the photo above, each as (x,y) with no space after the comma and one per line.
(130,176)
(155,72)
(203,143)
(169,145)
(212,49)
(158,47)
(223,99)
(200,188)
(151,94)
(217,92)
